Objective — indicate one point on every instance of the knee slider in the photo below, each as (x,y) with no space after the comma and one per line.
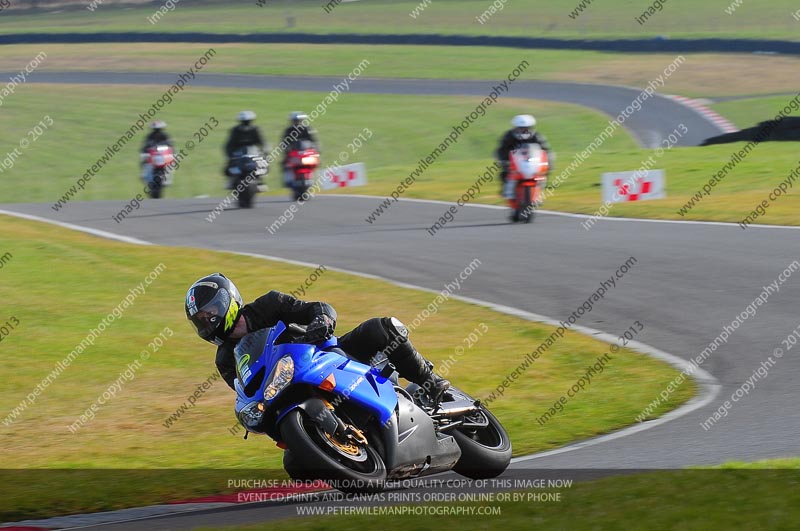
(395,329)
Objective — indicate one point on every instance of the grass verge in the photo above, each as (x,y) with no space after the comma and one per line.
(700,75)
(49,166)
(559,18)
(88,118)
(748,112)
(55,306)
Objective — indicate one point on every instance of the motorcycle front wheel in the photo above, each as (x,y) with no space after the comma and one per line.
(525,210)
(347,466)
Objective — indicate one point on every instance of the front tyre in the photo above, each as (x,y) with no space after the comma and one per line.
(486,450)
(525,207)
(293,465)
(352,468)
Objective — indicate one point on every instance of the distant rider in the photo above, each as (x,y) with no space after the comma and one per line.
(297,131)
(243,136)
(523,131)
(157,137)
(215,308)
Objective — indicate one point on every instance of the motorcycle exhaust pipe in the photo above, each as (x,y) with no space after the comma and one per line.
(455,411)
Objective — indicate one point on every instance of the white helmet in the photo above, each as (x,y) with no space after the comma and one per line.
(247,116)
(158,124)
(297,117)
(524,125)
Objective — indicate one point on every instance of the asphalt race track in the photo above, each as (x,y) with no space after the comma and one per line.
(689,280)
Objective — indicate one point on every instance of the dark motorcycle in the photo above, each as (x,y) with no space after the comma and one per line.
(245,170)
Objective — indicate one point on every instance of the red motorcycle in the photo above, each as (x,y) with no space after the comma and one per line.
(301,163)
(528,167)
(157,171)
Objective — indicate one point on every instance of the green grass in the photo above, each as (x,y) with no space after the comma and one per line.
(610,19)
(306,59)
(750,111)
(87,118)
(763,495)
(773,464)
(56,306)
(702,75)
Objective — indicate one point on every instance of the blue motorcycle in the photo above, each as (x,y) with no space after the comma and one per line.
(352,424)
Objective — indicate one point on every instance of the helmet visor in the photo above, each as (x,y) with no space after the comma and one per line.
(210,318)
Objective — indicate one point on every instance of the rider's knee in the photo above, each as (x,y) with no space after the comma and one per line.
(395,329)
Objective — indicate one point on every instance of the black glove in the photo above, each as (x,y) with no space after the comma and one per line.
(320,329)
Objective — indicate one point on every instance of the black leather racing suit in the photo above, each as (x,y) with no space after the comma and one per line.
(242,136)
(156,138)
(293,135)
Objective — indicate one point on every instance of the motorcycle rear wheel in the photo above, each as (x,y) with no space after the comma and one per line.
(299,192)
(486,451)
(155,188)
(247,194)
(348,468)
(525,210)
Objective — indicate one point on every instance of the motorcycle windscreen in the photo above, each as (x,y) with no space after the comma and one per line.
(529,160)
(250,361)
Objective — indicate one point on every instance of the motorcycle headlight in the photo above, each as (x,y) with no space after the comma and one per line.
(309,160)
(284,371)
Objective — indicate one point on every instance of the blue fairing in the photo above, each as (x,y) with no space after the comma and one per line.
(359,383)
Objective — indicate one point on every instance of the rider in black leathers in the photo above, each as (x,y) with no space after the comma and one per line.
(523,132)
(158,136)
(207,307)
(243,136)
(296,132)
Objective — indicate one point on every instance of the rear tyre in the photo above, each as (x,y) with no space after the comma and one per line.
(349,468)
(155,188)
(247,194)
(485,451)
(300,193)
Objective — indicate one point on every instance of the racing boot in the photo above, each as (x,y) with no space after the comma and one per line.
(410,364)
(413,367)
